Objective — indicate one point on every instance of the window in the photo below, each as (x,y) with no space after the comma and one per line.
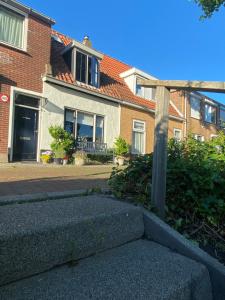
(138,137)
(85,127)
(12,27)
(222,117)
(145,92)
(213,136)
(195,107)
(199,137)
(87,69)
(177,133)
(210,113)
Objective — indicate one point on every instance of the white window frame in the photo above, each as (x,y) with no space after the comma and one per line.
(180,131)
(199,135)
(143,90)
(139,130)
(86,78)
(25,26)
(76,111)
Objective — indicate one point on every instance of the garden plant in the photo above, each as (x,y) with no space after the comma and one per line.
(195,198)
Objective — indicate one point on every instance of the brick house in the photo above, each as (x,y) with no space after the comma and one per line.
(51,79)
(203,116)
(25,41)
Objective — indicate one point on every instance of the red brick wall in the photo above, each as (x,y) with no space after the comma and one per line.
(23,69)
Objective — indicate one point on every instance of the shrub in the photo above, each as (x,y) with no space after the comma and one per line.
(63,142)
(101,158)
(121,147)
(195,181)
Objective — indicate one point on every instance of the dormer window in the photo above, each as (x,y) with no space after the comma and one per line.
(87,69)
(145,92)
(83,62)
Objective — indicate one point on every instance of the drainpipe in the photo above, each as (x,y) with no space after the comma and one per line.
(185,114)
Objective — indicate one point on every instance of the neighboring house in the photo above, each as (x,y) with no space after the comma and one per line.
(101,90)
(51,79)
(204,117)
(25,41)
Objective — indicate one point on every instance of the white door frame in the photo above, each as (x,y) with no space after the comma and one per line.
(13,92)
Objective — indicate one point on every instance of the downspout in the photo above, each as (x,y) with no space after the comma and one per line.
(185,114)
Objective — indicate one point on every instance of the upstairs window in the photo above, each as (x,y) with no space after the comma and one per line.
(210,113)
(145,92)
(12,28)
(177,133)
(199,137)
(195,107)
(87,69)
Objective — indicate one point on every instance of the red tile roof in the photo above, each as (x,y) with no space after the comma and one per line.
(111,84)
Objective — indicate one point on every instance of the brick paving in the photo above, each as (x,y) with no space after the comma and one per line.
(20,179)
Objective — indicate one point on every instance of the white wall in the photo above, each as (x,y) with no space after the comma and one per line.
(59,98)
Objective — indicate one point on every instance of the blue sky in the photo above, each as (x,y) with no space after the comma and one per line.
(163,37)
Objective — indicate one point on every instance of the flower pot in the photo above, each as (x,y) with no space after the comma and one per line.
(120,161)
(65,161)
(79,162)
(58,161)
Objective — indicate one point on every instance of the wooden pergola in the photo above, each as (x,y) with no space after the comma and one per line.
(163,88)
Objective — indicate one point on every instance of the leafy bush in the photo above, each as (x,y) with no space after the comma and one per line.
(63,142)
(121,147)
(195,182)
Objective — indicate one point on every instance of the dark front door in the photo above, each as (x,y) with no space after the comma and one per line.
(25,134)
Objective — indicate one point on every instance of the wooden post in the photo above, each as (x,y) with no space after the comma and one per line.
(160,150)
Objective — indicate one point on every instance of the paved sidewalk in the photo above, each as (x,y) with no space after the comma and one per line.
(20,179)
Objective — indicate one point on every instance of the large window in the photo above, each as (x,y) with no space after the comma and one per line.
(84,126)
(195,107)
(87,69)
(138,137)
(12,28)
(210,113)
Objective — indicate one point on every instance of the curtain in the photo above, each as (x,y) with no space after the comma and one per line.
(11,27)
(138,142)
(85,119)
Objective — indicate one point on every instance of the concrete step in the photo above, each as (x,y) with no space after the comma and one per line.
(138,270)
(34,237)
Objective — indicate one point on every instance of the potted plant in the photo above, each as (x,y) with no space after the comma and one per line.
(121,149)
(65,160)
(61,145)
(46,157)
(80,158)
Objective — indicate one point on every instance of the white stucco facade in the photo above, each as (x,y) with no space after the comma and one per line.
(59,98)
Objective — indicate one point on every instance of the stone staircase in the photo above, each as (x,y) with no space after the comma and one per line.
(90,247)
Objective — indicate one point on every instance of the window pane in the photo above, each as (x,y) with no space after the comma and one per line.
(93,71)
(138,143)
(139,90)
(69,121)
(85,127)
(139,126)
(177,134)
(195,108)
(210,113)
(11,27)
(26,100)
(81,67)
(99,133)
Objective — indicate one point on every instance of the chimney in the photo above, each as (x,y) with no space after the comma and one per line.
(87,42)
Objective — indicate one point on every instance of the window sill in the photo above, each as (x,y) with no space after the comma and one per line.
(23,50)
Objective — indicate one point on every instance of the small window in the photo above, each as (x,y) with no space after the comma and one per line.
(210,113)
(195,107)
(138,137)
(199,137)
(177,133)
(12,26)
(145,92)
(87,69)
